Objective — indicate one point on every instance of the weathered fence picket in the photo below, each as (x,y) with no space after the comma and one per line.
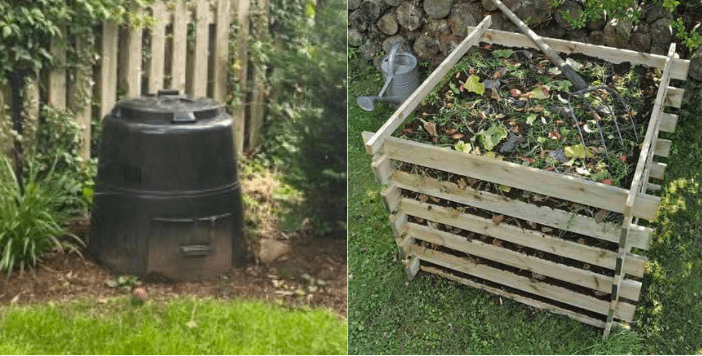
(196,65)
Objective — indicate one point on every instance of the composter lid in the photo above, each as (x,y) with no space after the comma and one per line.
(167,107)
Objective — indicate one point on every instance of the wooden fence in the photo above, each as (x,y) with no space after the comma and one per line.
(140,61)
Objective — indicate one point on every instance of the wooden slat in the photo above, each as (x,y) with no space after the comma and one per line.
(381,168)
(31,102)
(640,236)
(679,68)
(158,47)
(562,272)
(638,183)
(673,97)
(658,170)
(404,245)
(532,239)
(663,147)
(257,99)
(81,101)
(221,57)
(653,187)
(668,122)
(108,68)
(181,18)
(411,266)
(516,297)
(57,76)
(134,55)
(241,60)
(199,82)
(573,189)
(624,311)
(391,197)
(376,141)
(398,222)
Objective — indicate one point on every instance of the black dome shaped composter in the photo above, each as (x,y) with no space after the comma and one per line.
(167,199)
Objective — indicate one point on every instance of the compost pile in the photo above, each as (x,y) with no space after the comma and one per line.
(511,105)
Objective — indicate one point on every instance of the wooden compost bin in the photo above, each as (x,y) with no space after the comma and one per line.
(598,299)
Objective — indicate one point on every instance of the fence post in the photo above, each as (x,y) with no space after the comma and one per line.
(80,97)
(134,56)
(257,107)
(158,47)
(108,68)
(181,17)
(242,59)
(221,60)
(57,76)
(199,82)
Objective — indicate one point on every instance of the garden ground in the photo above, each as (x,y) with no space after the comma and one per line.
(430,314)
(305,287)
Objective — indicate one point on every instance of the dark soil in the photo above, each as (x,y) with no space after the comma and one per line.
(68,276)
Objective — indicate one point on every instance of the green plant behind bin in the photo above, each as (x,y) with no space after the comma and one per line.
(30,222)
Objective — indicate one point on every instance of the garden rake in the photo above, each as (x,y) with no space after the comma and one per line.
(582,90)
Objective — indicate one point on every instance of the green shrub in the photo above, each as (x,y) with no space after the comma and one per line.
(30,222)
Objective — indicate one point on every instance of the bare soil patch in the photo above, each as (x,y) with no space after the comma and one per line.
(67,276)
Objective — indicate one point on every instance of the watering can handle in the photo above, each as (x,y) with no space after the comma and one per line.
(391,58)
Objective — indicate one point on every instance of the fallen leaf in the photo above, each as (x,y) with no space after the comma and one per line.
(581,241)
(554,135)
(527,159)
(515,93)
(463,146)
(423,198)
(532,224)
(457,136)
(491,137)
(430,127)
(407,130)
(582,171)
(622,158)
(578,151)
(450,131)
(538,93)
(586,266)
(537,108)
(607,181)
(530,119)
(471,181)
(497,219)
(546,229)
(473,84)
(434,199)
(462,184)
(495,95)
(487,46)
(497,243)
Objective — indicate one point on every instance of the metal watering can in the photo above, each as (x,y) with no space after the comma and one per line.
(401,78)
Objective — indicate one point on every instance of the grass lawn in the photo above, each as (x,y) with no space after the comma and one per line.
(181,326)
(388,315)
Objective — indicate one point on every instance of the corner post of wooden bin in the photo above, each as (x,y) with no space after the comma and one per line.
(641,173)
(374,143)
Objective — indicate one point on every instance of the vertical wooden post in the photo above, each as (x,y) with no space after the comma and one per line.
(134,56)
(181,17)
(57,76)
(257,107)
(242,61)
(108,68)
(158,47)
(81,98)
(31,105)
(221,60)
(199,82)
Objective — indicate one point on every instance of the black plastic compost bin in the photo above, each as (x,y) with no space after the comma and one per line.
(167,199)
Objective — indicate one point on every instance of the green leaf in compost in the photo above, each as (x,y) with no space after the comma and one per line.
(463,147)
(502,53)
(530,119)
(454,88)
(491,137)
(578,151)
(474,85)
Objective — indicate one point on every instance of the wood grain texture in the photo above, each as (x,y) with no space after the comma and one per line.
(559,219)
(516,297)
(181,18)
(569,188)
(519,236)
(134,55)
(668,122)
(57,75)
(108,68)
(221,60)
(158,47)
(613,55)
(631,289)
(200,64)
(624,311)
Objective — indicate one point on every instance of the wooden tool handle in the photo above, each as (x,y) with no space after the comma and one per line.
(574,78)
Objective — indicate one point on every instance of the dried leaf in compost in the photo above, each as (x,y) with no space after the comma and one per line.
(423,198)
(457,136)
(497,219)
(462,184)
(430,128)
(450,131)
(578,151)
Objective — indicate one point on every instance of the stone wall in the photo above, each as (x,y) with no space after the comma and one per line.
(432,28)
